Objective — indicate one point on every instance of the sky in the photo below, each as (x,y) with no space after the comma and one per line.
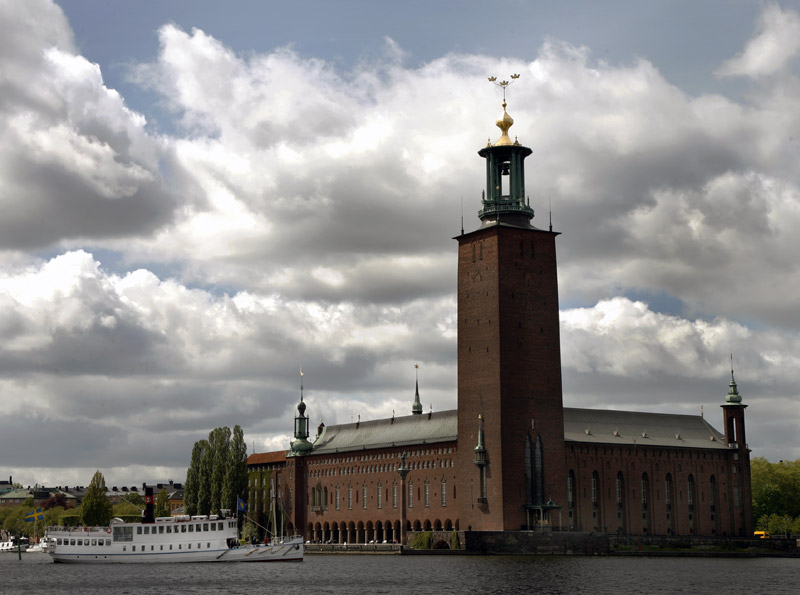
(199,198)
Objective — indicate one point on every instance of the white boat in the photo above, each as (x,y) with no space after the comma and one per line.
(14,544)
(37,548)
(168,539)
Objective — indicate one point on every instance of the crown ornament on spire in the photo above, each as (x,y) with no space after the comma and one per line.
(506,121)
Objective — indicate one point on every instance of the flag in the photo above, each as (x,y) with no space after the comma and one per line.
(34,515)
(241,505)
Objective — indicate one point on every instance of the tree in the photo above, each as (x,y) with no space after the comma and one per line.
(96,508)
(236,474)
(56,500)
(217,473)
(162,503)
(219,439)
(192,487)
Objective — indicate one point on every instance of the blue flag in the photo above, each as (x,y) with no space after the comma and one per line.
(34,515)
(241,505)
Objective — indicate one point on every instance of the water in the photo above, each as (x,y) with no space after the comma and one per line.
(420,575)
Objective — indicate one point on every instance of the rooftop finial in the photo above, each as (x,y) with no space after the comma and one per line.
(506,121)
(416,409)
(733,395)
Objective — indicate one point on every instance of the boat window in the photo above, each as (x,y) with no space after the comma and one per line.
(161,529)
(108,542)
(219,527)
(190,546)
(138,530)
(183,528)
(94,542)
(124,548)
(80,542)
(213,526)
(147,530)
(170,546)
(133,548)
(72,542)
(169,529)
(205,526)
(208,545)
(179,546)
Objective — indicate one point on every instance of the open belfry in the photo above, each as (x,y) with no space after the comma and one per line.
(511,457)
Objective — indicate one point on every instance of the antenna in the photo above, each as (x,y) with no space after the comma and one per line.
(301,383)
(462,215)
(550,209)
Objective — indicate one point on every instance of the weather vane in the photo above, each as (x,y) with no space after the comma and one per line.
(503,84)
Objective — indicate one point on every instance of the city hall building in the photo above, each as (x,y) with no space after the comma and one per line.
(511,457)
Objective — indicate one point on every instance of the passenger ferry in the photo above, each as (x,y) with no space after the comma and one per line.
(167,539)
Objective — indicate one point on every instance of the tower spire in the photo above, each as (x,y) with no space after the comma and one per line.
(733,395)
(505,174)
(416,409)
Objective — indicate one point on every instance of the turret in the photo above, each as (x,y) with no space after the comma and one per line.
(300,445)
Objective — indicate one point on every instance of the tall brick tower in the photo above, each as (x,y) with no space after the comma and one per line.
(511,460)
(742,502)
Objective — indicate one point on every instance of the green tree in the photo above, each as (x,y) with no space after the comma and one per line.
(192,486)
(162,503)
(219,439)
(236,473)
(204,480)
(96,508)
(775,488)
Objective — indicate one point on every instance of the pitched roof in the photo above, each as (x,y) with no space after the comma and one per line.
(428,428)
(603,426)
(261,458)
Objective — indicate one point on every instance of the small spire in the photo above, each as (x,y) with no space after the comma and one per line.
(733,395)
(416,409)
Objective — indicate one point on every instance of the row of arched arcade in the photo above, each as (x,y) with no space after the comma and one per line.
(371,532)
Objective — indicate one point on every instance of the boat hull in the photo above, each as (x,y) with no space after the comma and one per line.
(199,539)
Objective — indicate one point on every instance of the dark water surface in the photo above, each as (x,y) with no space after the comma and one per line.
(435,575)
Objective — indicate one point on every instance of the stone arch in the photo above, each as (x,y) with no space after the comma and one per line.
(448,525)
(441,544)
(428,525)
(437,525)
(369,532)
(417,526)
(360,534)
(310,532)
(326,532)
(351,533)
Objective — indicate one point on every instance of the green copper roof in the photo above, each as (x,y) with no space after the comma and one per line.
(733,395)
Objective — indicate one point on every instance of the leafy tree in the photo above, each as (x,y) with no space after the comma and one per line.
(236,474)
(217,473)
(775,487)
(96,508)
(56,500)
(162,503)
(204,480)
(219,439)
(192,487)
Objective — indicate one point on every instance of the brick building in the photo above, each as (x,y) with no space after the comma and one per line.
(511,457)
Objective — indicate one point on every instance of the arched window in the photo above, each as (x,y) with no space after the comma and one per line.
(668,492)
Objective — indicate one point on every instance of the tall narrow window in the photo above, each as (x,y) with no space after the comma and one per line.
(668,491)
(411,494)
(690,493)
(337,497)
(394,495)
(380,496)
(570,488)
(427,494)
(619,489)
(350,497)
(444,492)
(594,488)
(364,496)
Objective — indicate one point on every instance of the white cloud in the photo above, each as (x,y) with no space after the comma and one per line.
(776,42)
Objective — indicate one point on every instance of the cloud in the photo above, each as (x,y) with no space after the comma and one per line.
(74,160)
(776,42)
(154,286)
